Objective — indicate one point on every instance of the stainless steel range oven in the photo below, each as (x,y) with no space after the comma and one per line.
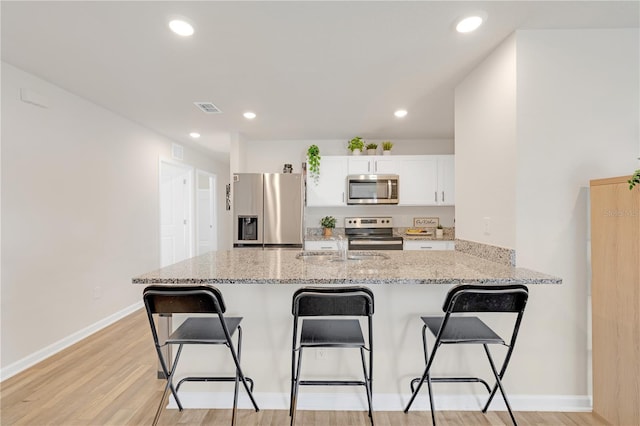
(371,233)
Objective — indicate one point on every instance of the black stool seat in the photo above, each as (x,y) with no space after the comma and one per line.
(204,330)
(328,331)
(463,330)
(209,327)
(331,332)
(457,326)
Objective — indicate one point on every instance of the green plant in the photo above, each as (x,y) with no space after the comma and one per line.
(313,155)
(635,180)
(356,143)
(387,145)
(328,222)
(372,146)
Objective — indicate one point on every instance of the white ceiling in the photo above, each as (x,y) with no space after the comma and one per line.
(310,70)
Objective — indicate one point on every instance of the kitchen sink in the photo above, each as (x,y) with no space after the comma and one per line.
(324,256)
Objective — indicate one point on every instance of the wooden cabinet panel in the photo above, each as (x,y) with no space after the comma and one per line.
(615,297)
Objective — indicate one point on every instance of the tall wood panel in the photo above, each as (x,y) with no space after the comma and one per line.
(615,292)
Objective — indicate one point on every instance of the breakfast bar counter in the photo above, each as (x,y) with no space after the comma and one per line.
(258,285)
(282,266)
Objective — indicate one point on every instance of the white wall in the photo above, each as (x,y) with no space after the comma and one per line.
(79,211)
(485,128)
(576,119)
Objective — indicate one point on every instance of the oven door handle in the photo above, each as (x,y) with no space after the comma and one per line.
(375,242)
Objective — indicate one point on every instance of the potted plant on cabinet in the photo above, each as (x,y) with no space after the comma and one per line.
(371,148)
(313,159)
(386,147)
(439,232)
(328,223)
(356,145)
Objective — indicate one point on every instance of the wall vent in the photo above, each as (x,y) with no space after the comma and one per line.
(177,151)
(208,107)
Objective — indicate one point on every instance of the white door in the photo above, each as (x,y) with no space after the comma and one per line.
(206,213)
(176,230)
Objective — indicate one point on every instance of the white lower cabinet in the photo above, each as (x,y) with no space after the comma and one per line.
(428,245)
(320,245)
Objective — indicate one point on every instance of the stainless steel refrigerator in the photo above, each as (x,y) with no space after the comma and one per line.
(267,209)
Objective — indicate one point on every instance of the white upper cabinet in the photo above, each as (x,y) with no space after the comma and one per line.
(418,180)
(381,165)
(424,180)
(446,180)
(330,189)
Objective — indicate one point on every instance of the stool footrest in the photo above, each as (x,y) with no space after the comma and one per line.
(214,379)
(331,383)
(452,380)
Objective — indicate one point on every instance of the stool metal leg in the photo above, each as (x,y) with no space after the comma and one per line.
(169,385)
(367,384)
(242,376)
(422,380)
(498,384)
(294,399)
(236,383)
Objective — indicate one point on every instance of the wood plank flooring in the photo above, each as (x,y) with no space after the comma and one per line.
(108,379)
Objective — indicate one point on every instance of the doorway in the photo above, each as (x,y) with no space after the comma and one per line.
(206,220)
(176,224)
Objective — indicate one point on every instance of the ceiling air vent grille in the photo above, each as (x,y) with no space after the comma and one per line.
(208,107)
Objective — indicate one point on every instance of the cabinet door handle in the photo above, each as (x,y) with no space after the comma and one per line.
(343,197)
(435,194)
(369,167)
(443,196)
(426,247)
(375,164)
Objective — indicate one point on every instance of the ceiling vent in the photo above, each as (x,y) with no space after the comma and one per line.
(208,107)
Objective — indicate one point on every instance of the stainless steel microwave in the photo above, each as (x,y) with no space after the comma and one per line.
(372,189)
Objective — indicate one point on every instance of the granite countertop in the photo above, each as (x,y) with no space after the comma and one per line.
(282,266)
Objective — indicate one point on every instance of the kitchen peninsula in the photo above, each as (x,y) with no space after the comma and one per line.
(256,266)
(258,285)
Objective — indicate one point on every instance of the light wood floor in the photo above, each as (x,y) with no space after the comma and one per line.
(109,379)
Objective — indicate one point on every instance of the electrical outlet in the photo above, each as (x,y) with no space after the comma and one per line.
(487,225)
(321,353)
(97,292)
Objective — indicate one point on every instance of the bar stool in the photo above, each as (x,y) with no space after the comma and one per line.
(453,328)
(331,333)
(210,330)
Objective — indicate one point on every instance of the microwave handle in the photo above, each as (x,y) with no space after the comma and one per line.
(389,189)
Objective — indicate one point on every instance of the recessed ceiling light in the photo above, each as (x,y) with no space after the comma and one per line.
(468,24)
(250,115)
(194,135)
(400,113)
(180,27)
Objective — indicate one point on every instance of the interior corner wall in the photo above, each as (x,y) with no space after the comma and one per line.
(80,214)
(578,119)
(485,146)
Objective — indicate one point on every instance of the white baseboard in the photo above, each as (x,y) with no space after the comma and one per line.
(384,402)
(36,357)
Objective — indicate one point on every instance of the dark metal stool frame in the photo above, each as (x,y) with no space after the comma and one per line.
(195,330)
(331,333)
(453,329)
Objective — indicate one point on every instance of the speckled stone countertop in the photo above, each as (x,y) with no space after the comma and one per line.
(255,266)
